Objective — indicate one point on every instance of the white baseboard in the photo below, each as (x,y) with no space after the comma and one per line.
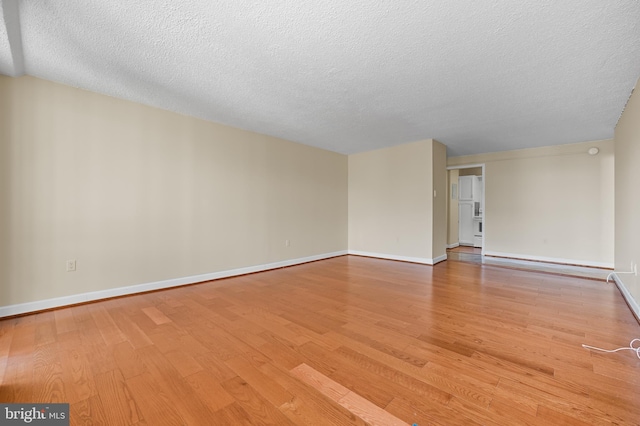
(422,260)
(439,259)
(590,263)
(57,302)
(633,304)
(454,245)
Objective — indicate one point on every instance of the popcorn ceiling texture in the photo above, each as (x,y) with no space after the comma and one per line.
(350,76)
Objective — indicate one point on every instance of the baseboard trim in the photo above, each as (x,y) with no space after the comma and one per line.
(421,260)
(42,305)
(573,262)
(631,302)
(440,259)
(454,245)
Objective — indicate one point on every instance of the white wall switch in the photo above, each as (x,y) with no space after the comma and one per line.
(71,265)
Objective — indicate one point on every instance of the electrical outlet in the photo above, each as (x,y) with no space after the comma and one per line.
(287,243)
(71,265)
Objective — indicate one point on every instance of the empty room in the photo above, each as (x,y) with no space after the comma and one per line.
(330,213)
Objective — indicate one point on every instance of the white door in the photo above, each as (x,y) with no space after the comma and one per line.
(465,222)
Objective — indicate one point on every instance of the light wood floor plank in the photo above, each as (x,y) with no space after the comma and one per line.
(116,396)
(156,315)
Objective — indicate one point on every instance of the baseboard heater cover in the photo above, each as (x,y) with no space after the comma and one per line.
(626,295)
(561,261)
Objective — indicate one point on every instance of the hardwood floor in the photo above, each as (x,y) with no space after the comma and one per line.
(465,249)
(348,340)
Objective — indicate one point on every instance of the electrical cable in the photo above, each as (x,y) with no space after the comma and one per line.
(630,348)
(616,273)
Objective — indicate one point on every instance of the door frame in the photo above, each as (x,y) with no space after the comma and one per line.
(484,192)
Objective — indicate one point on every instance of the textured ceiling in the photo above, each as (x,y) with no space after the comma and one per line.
(347,76)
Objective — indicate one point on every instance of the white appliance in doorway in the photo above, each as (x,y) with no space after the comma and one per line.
(470,210)
(477,231)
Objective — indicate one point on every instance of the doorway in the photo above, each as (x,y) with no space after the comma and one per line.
(466,210)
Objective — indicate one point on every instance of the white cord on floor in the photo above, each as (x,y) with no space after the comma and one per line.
(616,273)
(630,348)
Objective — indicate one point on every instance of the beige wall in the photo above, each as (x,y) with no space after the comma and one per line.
(137,194)
(471,171)
(439,224)
(391,201)
(452,205)
(552,202)
(627,199)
